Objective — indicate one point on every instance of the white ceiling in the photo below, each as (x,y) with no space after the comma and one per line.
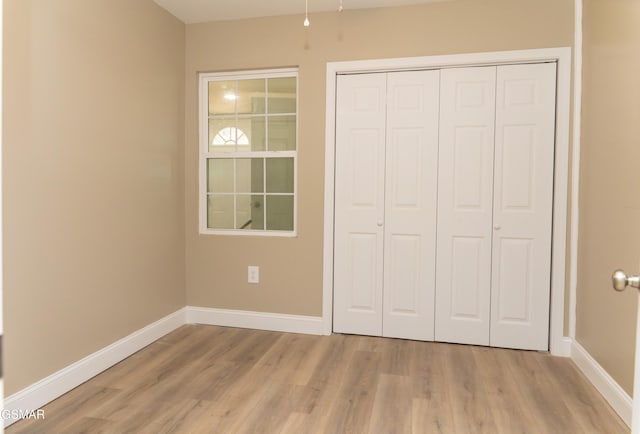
(197,11)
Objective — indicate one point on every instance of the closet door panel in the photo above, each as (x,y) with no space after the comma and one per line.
(410,204)
(525,121)
(467,256)
(359,203)
(465,205)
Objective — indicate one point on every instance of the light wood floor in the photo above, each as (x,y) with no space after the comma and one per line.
(205,379)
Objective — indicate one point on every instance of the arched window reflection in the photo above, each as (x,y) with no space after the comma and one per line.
(230,136)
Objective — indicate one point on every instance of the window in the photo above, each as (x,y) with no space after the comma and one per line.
(248,152)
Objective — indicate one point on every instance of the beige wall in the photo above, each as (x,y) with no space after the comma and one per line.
(93,179)
(291,269)
(609,184)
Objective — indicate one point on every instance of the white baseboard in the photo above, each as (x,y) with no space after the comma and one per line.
(563,347)
(312,325)
(615,395)
(59,383)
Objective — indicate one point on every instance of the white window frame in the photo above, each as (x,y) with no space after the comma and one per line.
(203,115)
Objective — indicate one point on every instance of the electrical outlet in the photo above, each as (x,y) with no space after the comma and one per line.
(253,274)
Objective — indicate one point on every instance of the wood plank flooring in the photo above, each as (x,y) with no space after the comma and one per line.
(206,379)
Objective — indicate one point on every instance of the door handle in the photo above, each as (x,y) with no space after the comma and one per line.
(620,280)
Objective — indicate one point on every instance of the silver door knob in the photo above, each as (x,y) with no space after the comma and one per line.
(621,280)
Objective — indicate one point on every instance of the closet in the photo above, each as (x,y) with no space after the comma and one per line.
(443,204)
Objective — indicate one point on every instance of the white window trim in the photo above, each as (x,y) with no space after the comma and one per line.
(204,154)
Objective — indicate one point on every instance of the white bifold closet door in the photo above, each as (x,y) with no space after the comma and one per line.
(359,203)
(465,212)
(495,199)
(385,198)
(523,206)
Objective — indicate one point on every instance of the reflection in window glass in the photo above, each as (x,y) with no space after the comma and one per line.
(282,133)
(220,211)
(282,95)
(257,212)
(280,213)
(280,177)
(249,175)
(220,175)
(221,98)
(251,96)
(243,212)
(257,127)
(230,136)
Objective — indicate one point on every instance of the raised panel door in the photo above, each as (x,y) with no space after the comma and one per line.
(359,203)
(465,194)
(410,211)
(523,201)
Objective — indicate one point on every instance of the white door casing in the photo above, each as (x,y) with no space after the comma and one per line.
(465,191)
(359,203)
(523,206)
(635,419)
(411,189)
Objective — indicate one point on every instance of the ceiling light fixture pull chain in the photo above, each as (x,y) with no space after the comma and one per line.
(306,13)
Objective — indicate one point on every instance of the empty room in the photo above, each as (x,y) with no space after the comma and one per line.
(320,216)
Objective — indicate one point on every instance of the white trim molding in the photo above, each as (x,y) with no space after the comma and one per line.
(575,167)
(1,214)
(564,347)
(59,383)
(562,56)
(615,395)
(311,325)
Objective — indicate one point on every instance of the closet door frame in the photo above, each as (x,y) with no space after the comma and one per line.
(559,343)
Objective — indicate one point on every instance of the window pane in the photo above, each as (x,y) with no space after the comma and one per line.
(223,135)
(250,212)
(257,212)
(220,175)
(251,96)
(282,133)
(243,211)
(282,95)
(249,175)
(222,97)
(280,175)
(257,131)
(280,213)
(220,211)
